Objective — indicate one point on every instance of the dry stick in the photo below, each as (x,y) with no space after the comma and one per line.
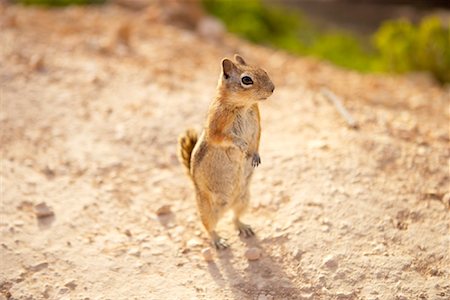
(337,102)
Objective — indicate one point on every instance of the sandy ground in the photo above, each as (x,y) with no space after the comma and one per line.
(92,102)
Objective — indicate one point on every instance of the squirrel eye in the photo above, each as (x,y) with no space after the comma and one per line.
(247,80)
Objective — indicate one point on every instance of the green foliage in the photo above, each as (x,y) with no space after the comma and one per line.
(289,30)
(343,50)
(255,21)
(399,45)
(59,2)
(405,47)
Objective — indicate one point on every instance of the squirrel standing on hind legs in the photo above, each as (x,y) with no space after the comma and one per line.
(221,160)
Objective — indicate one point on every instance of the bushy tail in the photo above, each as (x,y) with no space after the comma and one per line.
(186,143)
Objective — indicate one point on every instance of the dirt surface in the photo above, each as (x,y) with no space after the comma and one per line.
(92,102)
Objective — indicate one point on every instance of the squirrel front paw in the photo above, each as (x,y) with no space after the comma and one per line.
(256,160)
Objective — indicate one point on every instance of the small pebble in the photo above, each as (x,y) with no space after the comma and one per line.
(330,262)
(42,210)
(71,284)
(39,267)
(307,296)
(401,297)
(318,144)
(379,249)
(36,62)
(325,228)
(297,253)
(194,242)
(253,254)
(163,210)
(207,254)
(161,240)
(134,252)
(344,295)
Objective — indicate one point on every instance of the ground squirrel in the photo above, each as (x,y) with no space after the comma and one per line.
(221,160)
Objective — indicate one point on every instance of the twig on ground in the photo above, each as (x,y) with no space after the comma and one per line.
(337,102)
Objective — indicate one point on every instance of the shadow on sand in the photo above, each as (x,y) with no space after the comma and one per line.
(261,277)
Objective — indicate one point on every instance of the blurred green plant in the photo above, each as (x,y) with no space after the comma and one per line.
(59,2)
(405,47)
(399,46)
(289,30)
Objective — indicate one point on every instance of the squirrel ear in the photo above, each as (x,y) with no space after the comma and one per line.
(239,59)
(227,67)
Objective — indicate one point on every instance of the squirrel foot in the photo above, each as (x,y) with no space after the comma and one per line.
(256,160)
(220,244)
(245,230)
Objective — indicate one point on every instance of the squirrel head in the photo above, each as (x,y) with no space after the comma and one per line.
(243,84)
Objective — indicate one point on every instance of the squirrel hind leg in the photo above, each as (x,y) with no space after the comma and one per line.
(239,208)
(209,217)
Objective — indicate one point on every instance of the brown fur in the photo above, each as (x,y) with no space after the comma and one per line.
(222,159)
(186,143)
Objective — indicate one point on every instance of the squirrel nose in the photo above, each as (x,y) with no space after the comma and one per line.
(273,88)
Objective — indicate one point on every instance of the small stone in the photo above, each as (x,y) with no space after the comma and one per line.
(156,252)
(325,228)
(19,223)
(119,132)
(401,297)
(330,262)
(71,284)
(421,150)
(379,249)
(42,210)
(134,252)
(39,267)
(339,275)
(380,274)
(322,279)
(207,254)
(163,210)
(297,253)
(344,225)
(325,221)
(161,240)
(253,253)
(306,296)
(36,62)
(344,295)
(194,242)
(318,144)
